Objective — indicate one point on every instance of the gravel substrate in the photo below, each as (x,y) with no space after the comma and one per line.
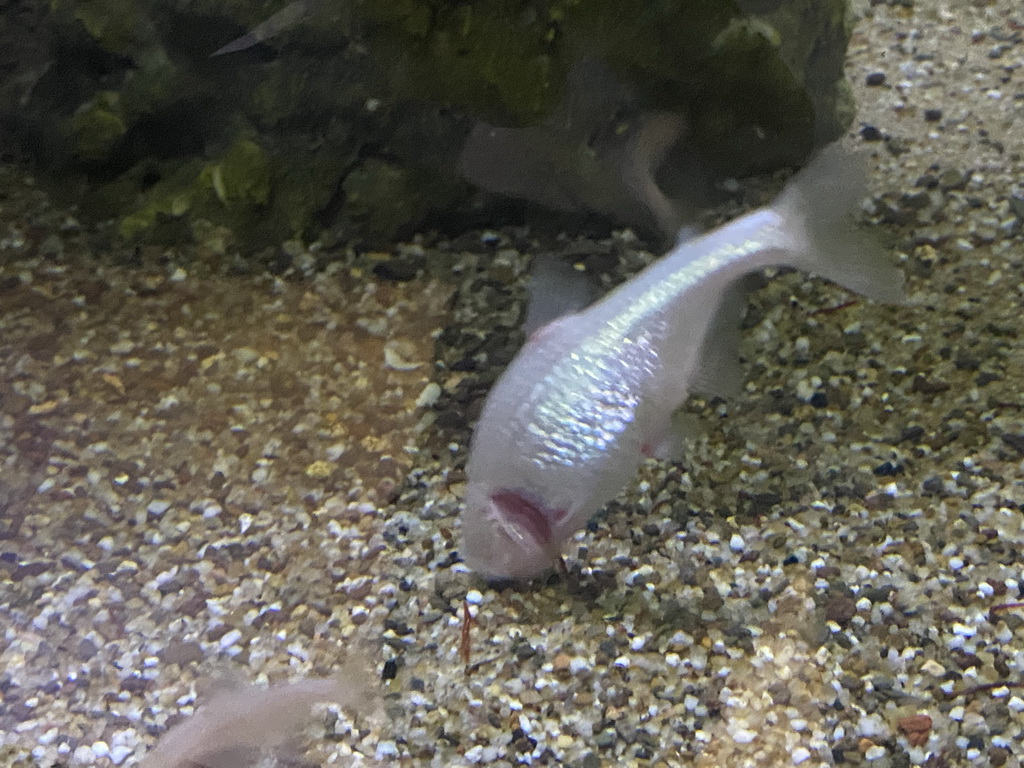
(212,474)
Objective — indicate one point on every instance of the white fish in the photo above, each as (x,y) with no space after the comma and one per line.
(253,718)
(287,17)
(592,394)
(585,156)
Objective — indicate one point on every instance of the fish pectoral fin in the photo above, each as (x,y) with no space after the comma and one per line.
(556,289)
(718,366)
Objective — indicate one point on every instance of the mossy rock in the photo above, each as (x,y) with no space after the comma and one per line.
(233,190)
(761,89)
(353,117)
(120,27)
(98,126)
(498,59)
(383,199)
(242,177)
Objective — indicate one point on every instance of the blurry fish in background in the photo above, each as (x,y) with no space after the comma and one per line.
(287,17)
(596,153)
(593,154)
(237,724)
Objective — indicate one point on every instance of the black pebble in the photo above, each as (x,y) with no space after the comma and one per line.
(870,133)
(888,469)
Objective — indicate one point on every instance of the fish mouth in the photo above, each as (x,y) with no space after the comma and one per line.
(526,515)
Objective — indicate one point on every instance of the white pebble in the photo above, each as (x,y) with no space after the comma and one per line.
(804,390)
(84,756)
(100,748)
(1016,703)
(736,543)
(429,396)
(800,754)
(490,754)
(157,508)
(119,753)
(874,753)
(744,736)
(167,402)
(48,737)
(473,597)
(578,665)
(871,726)
(963,630)
(230,638)
(245,355)
(386,749)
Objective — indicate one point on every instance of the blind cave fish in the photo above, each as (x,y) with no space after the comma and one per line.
(591,394)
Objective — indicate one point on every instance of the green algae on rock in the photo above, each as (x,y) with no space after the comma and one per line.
(357,90)
(98,126)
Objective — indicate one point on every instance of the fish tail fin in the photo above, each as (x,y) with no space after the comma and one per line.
(818,207)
